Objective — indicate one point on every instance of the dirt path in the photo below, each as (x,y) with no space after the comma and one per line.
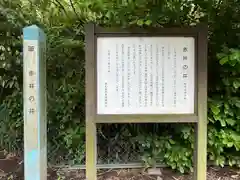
(11,168)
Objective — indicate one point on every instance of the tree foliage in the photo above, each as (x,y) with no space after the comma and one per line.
(63,22)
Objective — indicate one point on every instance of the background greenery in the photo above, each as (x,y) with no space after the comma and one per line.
(63,22)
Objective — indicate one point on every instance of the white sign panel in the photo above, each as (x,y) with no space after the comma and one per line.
(145,75)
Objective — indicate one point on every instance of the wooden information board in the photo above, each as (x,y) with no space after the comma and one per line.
(151,76)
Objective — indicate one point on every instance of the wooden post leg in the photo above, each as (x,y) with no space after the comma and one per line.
(91,151)
(200,159)
(91,135)
(201,126)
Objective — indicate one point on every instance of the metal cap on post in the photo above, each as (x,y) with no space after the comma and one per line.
(35,102)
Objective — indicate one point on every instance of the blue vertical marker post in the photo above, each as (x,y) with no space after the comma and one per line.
(35,103)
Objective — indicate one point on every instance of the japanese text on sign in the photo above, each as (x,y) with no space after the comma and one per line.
(147,75)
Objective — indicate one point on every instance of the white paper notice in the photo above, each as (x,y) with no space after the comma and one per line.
(145,75)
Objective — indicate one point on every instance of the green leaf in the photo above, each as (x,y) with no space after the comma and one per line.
(230,144)
(167,155)
(220,55)
(171,141)
(108,14)
(217,117)
(140,22)
(230,121)
(237,103)
(224,60)
(233,62)
(173,165)
(236,83)
(215,109)
(181,169)
(210,142)
(223,123)
(235,55)
(148,22)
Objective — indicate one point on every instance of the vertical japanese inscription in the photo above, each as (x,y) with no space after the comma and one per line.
(174,78)
(157,82)
(129,76)
(31,78)
(145,76)
(134,58)
(122,76)
(185,71)
(151,75)
(31,50)
(140,94)
(106,83)
(106,95)
(117,68)
(163,76)
(109,60)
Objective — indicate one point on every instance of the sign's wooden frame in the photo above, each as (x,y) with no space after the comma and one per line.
(199,117)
